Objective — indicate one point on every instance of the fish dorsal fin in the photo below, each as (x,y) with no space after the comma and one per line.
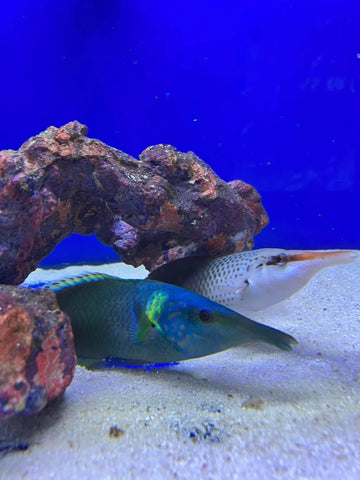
(178,271)
(78,280)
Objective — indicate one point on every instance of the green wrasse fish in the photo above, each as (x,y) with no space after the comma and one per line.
(144,321)
(250,281)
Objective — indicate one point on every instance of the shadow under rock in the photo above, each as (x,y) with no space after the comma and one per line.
(18,433)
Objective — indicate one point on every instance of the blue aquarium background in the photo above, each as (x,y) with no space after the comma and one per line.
(263,91)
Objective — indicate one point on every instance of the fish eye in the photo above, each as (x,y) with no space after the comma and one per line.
(206,316)
(279,260)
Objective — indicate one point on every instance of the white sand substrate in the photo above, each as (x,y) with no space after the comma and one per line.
(252,412)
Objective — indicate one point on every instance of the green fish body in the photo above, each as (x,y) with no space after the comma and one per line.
(145,321)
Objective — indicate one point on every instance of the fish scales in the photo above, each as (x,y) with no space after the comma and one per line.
(215,277)
(253,280)
(145,321)
(102,313)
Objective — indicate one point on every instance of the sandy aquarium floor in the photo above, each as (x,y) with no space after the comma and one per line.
(248,413)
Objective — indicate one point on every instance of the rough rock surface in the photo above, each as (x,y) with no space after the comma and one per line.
(164,206)
(37,354)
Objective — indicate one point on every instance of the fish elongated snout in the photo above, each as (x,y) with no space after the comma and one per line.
(324,258)
(253,332)
(229,329)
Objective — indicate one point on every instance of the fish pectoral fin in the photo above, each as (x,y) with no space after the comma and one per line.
(140,325)
(144,318)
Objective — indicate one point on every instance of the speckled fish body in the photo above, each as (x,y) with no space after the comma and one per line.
(145,321)
(253,280)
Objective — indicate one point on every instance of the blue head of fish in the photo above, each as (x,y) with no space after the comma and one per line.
(195,325)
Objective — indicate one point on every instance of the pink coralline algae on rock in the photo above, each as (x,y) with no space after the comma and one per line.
(37,353)
(165,205)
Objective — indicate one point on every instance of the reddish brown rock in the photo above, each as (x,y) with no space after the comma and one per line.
(37,354)
(166,205)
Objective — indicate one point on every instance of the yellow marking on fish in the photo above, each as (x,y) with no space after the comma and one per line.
(155,306)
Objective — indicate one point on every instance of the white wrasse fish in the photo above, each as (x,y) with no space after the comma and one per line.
(144,321)
(253,280)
